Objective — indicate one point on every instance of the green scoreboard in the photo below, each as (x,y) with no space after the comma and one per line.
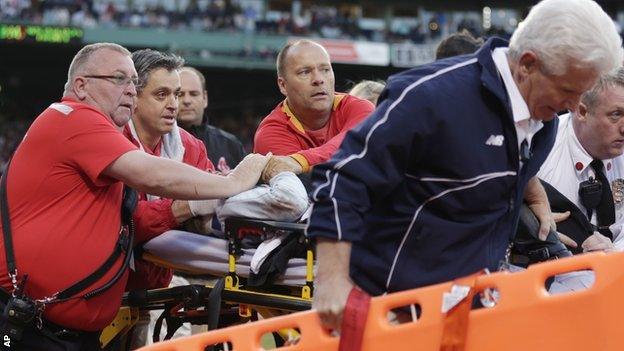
(30,33)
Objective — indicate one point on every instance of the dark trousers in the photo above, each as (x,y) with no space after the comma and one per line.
(50,338)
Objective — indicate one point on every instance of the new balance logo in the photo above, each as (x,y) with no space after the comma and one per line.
(495,140)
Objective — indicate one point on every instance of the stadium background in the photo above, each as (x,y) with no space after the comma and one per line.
(233,42)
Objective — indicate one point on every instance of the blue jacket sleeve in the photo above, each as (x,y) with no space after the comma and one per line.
(370,164)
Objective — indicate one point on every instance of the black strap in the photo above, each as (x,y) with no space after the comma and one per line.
(158,324)
(214,307)
(6,224)
(214,304)
(605,211)
(577,226)
(173,322)
(124,243)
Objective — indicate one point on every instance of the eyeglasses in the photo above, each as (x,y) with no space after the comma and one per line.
(120,79)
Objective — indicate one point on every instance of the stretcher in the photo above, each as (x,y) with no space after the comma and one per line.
(524,317)
(227,296)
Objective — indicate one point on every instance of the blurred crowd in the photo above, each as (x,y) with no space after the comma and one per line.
(11,133)
(229,15)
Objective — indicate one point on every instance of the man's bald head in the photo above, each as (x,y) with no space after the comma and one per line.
(282,57)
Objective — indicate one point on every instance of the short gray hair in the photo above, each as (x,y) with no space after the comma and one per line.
(83,56)
(560,31)
(368,90)
(591,98)
(148,60)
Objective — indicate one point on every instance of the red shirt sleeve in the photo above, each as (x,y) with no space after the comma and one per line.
(349,114)
(152,218)
(195,154)
(277,138)
(85,143)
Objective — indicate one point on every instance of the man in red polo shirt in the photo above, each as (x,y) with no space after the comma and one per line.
(64,189)
(308,126)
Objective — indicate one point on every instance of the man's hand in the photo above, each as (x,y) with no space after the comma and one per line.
(332,284)
(278,164)
(248,171)
(330,297)
(597,242)
(565,240)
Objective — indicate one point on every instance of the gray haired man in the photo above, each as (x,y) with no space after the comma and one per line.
(428,188)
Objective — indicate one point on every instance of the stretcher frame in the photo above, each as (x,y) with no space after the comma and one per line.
(185,302)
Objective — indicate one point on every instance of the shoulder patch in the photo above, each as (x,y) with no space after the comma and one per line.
(62,108)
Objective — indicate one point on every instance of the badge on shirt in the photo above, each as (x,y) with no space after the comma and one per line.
(617,188)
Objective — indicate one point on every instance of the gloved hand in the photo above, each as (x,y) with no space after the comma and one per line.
(246,174)
(278,164)
(203,207)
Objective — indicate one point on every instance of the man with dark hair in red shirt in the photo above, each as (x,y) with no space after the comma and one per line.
(153,129)
(308,126)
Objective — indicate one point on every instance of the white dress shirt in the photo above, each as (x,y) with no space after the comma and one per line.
(565,168)
(526,127)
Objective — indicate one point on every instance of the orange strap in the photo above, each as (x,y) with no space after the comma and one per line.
(354,320)
(456,321)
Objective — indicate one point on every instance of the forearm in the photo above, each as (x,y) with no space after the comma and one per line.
(535,193)
(322,153)
(333,259)
(537,200)
(332,283)
(171,179)
(179,181)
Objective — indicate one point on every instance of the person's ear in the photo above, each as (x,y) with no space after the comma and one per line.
(528,63)
(581,112)
(205,99)
(281,83)
(79,87)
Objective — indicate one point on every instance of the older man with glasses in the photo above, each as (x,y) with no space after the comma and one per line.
(64,189)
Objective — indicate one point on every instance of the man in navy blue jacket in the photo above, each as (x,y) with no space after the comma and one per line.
(428,188)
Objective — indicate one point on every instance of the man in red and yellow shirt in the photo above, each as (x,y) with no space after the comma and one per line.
(309,125)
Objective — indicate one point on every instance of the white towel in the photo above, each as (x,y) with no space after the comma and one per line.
(263,250)
(171,146)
